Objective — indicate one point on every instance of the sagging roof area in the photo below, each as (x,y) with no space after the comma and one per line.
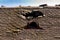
(12,25)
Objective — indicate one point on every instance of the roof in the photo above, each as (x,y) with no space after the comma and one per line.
(10,20)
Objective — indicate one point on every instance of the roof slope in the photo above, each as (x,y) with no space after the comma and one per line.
(10,20)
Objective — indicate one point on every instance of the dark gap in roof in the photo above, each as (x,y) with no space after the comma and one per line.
(32,25)
(33,14)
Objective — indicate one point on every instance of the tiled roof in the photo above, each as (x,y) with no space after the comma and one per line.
(10,21)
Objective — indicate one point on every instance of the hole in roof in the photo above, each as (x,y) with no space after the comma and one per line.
(33,14)
(32,25)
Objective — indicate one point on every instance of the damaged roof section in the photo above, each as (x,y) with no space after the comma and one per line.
(33,14)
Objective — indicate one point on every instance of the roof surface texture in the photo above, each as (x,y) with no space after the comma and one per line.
(10,21)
